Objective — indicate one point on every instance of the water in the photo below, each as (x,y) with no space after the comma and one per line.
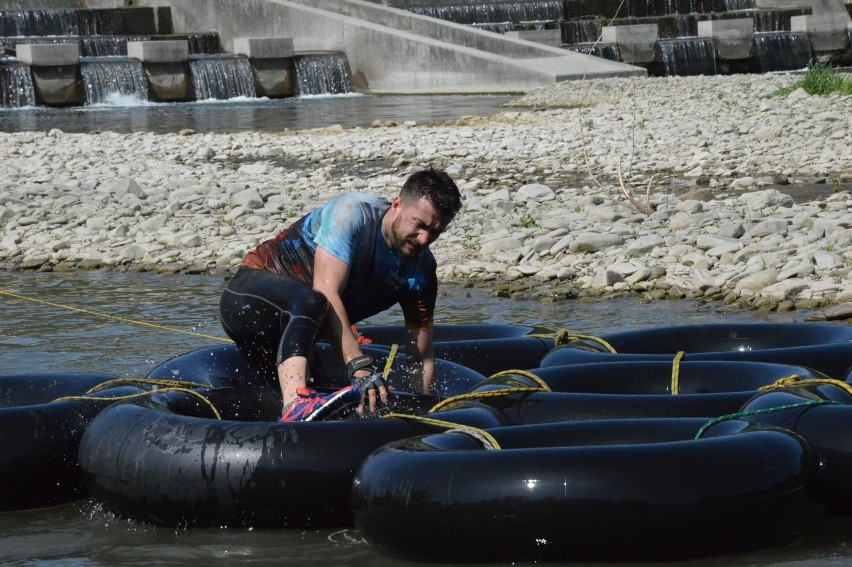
(106,79)
(323,74)
(221,77)
(688,56)
(16,86)
(494,13)
(783,51)
(250,115)
(36,337)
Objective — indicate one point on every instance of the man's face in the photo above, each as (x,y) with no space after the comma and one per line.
(414,226)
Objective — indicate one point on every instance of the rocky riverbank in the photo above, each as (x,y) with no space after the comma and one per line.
(736,194)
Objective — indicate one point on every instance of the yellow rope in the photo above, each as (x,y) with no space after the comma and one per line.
(676,373)
(526,373)
(795,381)
(487,439)
(389,362)
(147,381)
(141,395)
(122,319)
(563,336)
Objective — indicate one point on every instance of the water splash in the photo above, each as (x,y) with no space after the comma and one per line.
(105,79)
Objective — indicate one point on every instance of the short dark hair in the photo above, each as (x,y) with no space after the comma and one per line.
(436,186)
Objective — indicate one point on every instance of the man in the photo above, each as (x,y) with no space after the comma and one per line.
(348,260)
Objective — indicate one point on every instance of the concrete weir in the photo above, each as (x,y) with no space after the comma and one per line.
(391,51)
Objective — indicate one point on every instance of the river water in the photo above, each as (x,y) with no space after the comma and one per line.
(37,337)
(127,114)
(102,333)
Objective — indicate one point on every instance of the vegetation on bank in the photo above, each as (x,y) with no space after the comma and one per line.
(821,80)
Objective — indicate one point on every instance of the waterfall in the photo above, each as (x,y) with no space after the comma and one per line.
(683,57)
(323,74)
(604,50)
(738,5)
(106,79)
(16,86)
(494,13)
(107,45)
(783,51)
(585,31)
(221,77)
(38,22)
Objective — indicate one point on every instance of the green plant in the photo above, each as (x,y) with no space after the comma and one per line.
(820,79)
(529,222)
(588,124)
(835,185)
(470,243)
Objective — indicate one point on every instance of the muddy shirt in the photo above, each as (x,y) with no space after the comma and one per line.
(349,227)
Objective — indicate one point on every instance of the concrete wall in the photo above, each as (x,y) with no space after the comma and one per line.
(390,50)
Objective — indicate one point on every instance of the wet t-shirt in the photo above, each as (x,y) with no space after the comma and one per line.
(349,227)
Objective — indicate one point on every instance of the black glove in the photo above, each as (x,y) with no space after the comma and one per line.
(372,387)
(364,383)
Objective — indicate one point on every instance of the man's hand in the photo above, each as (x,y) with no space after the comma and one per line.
(368,380)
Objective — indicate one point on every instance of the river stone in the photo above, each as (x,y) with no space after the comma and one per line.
(535,192)
(758,281)
(595,242)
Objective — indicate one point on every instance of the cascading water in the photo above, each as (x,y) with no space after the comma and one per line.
(690,56)
(494,13)
(604,50)
(221,77)
(38,22)
(107,45)
(106,79)
(783,51)
(16,86)
(323,74)
(737,5)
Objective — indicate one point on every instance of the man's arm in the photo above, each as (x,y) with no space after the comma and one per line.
(420,354)
(330,277)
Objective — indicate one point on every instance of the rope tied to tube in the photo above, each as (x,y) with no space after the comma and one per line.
(795,381)
(763,411)
(488,441)
(164,387)
(676,372)
(541,387)
(564,336)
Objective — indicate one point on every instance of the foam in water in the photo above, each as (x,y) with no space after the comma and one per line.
(222,77)
(105,79)
(323,74)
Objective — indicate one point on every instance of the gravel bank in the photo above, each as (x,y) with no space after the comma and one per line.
(747,194)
